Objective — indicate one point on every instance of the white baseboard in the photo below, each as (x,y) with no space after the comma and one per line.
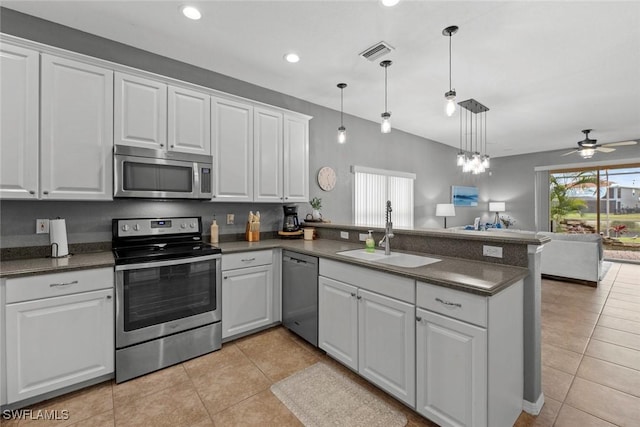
(533,408)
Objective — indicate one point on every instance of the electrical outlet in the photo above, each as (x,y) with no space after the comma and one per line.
(344,234)
(42,226)
(231,218)
(492,251)
(362,236)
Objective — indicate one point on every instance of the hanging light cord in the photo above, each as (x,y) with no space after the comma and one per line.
(341,106)
(385,88)
(449,62)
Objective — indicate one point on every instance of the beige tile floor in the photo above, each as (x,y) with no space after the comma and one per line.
(590,373)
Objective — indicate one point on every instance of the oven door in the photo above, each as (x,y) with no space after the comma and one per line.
(158,299)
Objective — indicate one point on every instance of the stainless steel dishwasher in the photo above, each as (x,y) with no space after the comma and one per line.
(300,295)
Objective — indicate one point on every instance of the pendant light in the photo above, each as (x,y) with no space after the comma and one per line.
(450,95)
(472,156)
(385,126)
(342,131)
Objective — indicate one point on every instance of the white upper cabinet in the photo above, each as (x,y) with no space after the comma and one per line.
(76,130)
(232,127)
(151,114)
(267,155)
(189,126)
(296,159)
(140,113)
(18,122)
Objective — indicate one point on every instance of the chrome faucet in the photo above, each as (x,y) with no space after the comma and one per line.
(388,230)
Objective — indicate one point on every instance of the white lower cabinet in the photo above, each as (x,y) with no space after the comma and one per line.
(369,332)
(451,361)
(61,339)
(469,356)
(247,292)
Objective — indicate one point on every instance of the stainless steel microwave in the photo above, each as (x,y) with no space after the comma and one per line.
(148,173)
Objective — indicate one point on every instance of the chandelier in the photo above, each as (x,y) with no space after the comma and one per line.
(472,156)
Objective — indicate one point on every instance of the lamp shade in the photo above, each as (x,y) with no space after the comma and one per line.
(445,209)
(497,207)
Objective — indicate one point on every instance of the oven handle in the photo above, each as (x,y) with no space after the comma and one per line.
(167,262)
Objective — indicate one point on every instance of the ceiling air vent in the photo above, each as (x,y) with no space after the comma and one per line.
(376,51)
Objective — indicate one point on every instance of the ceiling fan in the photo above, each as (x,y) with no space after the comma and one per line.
(588,147)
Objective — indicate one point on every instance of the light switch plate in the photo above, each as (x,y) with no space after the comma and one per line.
(344,234)
(492,251)
(362,237)
(231,219)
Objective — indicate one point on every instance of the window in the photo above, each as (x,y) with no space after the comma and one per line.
(372,189)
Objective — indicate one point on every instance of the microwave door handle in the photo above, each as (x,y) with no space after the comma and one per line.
(196,180)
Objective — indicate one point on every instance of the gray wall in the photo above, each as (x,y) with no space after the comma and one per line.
(512,178)
(433,163)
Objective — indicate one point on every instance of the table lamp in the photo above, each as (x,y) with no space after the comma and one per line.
(497,207)
(445,210)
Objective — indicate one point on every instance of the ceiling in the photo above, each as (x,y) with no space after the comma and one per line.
(546,70)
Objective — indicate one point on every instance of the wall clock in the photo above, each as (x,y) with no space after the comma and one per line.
(327,178)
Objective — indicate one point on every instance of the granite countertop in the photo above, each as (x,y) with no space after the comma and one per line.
(31,266)
(471,276)
(477,277)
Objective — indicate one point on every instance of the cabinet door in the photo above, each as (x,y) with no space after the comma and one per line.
(18,123)
(338,321)
(140,112)
(57,342)
(189,126)
(232,127)
(247,299)
(267,155)
(296,159)
(76,130)
(386,344)
(451,361)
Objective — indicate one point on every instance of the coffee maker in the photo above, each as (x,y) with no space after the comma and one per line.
(291,222)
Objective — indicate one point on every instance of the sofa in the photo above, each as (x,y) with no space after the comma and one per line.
(573,256)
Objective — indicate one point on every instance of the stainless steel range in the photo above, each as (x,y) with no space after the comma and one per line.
(168,306)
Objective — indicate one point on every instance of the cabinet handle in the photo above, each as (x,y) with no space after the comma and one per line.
(418,319)
(161,145)
(248,259)
(359,297)
(226,277)
(108,296)
(448,303)
(353,294)
(172,145)
(32,192)
(54,285)
(45,192)
(286,198)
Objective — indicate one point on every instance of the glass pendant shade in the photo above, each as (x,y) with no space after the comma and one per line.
(450,105)
(342,135)
(385,126)
(486,163)
(460,159)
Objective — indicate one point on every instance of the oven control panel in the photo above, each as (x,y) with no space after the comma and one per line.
(157,226)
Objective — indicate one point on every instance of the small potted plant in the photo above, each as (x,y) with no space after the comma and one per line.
(507,221)
(316,205)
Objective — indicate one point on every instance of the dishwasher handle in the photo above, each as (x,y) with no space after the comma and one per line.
(302,259)
(296,260)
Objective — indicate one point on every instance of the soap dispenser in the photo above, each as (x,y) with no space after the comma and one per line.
(214,231)
(370,244)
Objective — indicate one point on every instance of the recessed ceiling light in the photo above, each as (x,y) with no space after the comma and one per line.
(191,12)
(390,3)
(291,57)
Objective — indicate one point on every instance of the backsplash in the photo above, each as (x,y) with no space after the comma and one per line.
(89,222)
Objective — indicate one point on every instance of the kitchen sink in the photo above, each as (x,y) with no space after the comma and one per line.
(397,259)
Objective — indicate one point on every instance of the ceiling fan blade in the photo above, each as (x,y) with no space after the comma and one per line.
(620,144)
(570,152)
(605,149)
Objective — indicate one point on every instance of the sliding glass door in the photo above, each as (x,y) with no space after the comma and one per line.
(603,200)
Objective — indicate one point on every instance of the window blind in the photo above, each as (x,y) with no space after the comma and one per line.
(373,187)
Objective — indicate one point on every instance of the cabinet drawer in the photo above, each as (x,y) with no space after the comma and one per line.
(57,284)
(246,259)
(449,302)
